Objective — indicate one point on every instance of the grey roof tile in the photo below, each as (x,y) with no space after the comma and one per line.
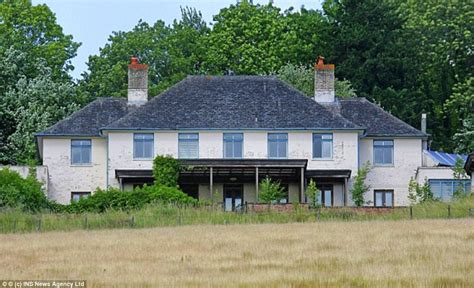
(232,102)
(377,121)
(89,120)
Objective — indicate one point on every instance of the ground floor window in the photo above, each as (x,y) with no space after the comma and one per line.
(75,196)
(325,196)
(444,189)
(383,198)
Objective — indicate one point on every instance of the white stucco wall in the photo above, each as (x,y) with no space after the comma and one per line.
(406,159)
(433,173)
(64,177)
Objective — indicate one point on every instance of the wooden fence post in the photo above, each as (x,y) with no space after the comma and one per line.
(449,211)
(38,225)
(132,221)
(411,212)
(319,214)
(14,226)
(86,222)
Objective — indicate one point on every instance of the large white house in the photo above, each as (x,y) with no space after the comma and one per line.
(231,132)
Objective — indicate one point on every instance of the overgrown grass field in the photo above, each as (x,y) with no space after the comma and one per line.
(159,215)
(416,253)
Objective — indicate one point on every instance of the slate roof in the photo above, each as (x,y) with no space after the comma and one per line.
(377,121)
(232,102)
(89,120)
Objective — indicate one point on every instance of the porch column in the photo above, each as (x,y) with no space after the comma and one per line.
(256,185)
(345,191)
(211,183)
(302,186)
(121,184)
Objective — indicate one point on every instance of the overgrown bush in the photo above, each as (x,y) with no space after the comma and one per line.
(312,192)
(360,188)
(166,170)
(18,192)
(270,191)
(419,193)
(114,199)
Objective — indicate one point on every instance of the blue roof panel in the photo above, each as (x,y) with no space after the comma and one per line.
(446,159)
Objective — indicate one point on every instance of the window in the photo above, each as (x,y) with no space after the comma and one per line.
(383,152)
(81,151)
(444,189)
(325,198)
(277,145)
(188,145)
(233,145)
(143,146)
(322,146)
(76,196)
(383,198)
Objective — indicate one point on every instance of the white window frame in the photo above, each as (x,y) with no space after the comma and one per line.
(135,157)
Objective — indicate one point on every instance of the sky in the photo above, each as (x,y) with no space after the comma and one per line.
(92,21)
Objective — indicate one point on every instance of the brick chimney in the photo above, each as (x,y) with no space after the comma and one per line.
(137,83)
(323,82)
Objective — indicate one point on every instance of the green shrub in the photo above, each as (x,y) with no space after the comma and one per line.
(114,199)
(360,188)
(270,190)
(166,171)
(312,192)
(18,192)
(419,193)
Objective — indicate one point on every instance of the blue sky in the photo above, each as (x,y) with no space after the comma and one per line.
(92,21)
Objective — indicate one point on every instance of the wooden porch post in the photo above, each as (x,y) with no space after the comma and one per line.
(256,184)
(121,184)
(345,192)
(211,183)
(302,186)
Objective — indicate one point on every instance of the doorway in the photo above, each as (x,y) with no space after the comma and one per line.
(233,197)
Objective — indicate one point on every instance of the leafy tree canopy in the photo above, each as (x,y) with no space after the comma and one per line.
(33,29)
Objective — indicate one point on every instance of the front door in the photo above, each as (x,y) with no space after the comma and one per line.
(233,197)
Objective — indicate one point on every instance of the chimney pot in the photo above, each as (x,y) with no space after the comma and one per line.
(324,82)
(137,82)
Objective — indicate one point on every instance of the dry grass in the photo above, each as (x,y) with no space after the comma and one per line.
(365,254)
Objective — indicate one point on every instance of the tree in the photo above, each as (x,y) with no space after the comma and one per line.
(249,39)
(419,193)
(270,191)
(312,192)
(459,174)
(443,46)
(359,188)
(302,78)
(30,106)
(460,107)
(35,57)
(33,29)
(171,52)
